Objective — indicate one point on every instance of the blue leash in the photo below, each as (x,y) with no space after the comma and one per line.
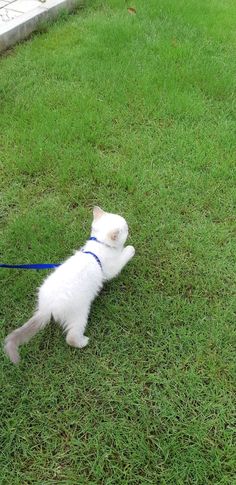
(49,266)
(29,266)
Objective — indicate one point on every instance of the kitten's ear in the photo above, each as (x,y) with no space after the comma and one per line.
(97,212)
(114,235)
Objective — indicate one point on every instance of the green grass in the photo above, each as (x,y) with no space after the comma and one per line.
(135,113)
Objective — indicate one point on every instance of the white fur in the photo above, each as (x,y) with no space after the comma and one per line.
(67,293)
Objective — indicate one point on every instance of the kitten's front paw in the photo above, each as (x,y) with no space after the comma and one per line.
(130,252)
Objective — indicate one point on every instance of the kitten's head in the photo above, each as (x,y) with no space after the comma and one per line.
(111,229)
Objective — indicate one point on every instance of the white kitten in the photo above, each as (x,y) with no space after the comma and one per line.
(67,293)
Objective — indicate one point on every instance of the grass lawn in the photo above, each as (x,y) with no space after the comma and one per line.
(135,113)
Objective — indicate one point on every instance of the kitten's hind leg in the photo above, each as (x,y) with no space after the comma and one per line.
(75,334)
(75,340)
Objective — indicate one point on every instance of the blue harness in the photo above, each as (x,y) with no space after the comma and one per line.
(53,265)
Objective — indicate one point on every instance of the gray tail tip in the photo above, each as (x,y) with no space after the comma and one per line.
(11,351)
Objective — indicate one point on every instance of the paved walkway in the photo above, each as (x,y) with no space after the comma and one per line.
(19,18)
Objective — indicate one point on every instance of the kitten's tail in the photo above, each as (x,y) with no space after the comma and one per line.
(24,334)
